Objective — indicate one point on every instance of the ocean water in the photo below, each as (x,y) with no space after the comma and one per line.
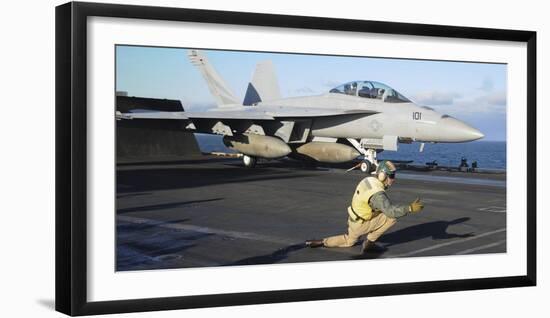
(488,154)
(210,143)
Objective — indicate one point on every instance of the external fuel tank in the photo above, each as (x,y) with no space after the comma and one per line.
(329,152)
(258,145)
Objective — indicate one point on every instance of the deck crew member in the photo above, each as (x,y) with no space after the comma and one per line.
(371,212)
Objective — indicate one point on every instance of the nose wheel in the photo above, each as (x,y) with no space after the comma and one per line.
(366,166)
(249,161)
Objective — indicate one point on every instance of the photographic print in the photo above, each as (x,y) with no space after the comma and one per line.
(228,158)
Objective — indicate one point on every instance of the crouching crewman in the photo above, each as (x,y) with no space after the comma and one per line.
(371,212)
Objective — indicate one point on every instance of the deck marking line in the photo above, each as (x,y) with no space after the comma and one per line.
(482,247)
(232,234)
(494,209)
(433,247)
(207,230)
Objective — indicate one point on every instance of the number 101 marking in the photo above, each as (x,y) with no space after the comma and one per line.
(417,116)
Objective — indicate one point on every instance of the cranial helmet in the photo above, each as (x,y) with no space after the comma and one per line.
(387,167)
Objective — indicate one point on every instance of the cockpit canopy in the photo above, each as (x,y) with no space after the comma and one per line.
(370,89)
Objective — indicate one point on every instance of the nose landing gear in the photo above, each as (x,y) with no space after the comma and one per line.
(366,166)
(369,163)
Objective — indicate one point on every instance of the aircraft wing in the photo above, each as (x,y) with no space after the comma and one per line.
(245,113)
(288,123)
(221,115)
(301,112)
(151,115)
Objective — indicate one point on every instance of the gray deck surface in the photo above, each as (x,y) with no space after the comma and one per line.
(216,213)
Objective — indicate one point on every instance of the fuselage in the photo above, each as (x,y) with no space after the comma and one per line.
(405,120)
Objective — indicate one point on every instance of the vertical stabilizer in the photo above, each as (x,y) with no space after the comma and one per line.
(216,85)
(264,85)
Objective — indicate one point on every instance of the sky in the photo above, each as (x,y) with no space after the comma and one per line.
(472,92)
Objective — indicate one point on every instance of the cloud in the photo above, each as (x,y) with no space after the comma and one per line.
(487,85)
(495,99)
(436,98)
(476,106)
(494,103)
(331,84)
(455,104)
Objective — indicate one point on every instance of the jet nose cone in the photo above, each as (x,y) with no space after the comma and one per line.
(458,131)
(475,134)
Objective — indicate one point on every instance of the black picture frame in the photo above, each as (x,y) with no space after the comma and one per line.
(71,157)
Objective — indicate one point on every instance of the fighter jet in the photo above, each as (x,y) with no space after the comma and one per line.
(356,119)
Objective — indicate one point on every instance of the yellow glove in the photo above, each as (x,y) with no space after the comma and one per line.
(416,206)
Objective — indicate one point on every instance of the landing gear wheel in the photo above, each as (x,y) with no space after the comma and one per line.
(249,162)
(366,166)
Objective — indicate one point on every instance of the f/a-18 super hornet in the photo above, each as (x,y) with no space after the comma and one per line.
(355,119)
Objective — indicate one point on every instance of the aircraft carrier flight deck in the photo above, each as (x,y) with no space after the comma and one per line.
(214,212)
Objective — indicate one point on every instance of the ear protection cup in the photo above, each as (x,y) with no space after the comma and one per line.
(381,176)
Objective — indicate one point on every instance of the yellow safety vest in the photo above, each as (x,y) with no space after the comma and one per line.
(360,209)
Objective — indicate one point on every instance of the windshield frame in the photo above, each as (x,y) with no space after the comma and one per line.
(371,90)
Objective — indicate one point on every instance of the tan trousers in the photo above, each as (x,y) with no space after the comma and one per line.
(373,228)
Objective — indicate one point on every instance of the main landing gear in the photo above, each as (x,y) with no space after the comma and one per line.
(249,161)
